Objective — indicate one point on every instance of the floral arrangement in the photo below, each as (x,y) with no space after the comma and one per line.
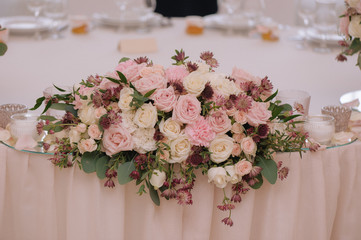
(350,27)
(156,126)
(3,46)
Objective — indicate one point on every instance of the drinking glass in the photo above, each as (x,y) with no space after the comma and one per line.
(253,10)
(57,11)
(36,6)
(325,22)
(147,8)
(341,114)
(231,7)
(298,99)
(123,6)
(306,11)
(6,110)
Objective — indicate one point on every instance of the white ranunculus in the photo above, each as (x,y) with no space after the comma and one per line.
(157,179)
(170,128)
(144,141)
(74,135)
(180,149)
(146,116)
(222,85)
(232,177)
(195,82)
(125,98)
(354,29)
(127,121)
(87,114)
(221,148)
(218,176)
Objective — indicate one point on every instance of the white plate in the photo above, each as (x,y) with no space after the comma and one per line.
(25,24)
(221,21)
(131,20)
(314,35)
(352,96)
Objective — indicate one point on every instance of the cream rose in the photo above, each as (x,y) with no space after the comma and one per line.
(248,146)
(180,149)
(237,128)
(170,128)
(243,167)
(157,179)
(94,132)
(354,29)
(222,85)
(87,145)
(125,99)
(100,112)
(144,141)
(146,116)
(87,114)
(4,135)
(218,176)
(221,148)
(117,139)
(231,174)
(81,127)
(74,135)
(194,83)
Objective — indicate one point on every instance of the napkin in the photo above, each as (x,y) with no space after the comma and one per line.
(138,45)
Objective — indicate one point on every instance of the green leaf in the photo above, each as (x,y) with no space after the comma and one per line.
(48,105)
(59,89)
(101,166)
(113,80)
(148,94)
(286,107)
(153,194)
(359,61)
(59,106)
(45,117)
(124,59)
(290,117)
(124,170)
(355,45)
(272,96)
(260,182)
(71,109)
(122,78)
(88,161)
(38,103)
(269,169)
(276,111)
(3,48)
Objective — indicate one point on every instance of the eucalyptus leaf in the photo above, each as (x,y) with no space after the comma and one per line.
(59,106)
(88,161)
(153,194)
(269,169)
(113,80)
(124,59)
(259,183)
(45,117)
(272,96)
(124,170)
(3,48)
(359,60)
(71,109)
(101,166)
(48,105)
(122,78)
(59,89)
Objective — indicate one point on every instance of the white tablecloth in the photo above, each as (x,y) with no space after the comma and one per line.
(29,66)
(320,200)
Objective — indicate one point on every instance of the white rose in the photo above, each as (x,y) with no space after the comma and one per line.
(61,134)
(232,177)
(202,67)
(179,149)
(194,83)
(170,128)
(144,141)
(4,135)
(157,179)
(222,85)
(125,99)
(87,145)
(81,127)
(221,148)
(146,116)
(74,135)
(94,132)
(87,114)
(218,176)
(354,29)
(127,121)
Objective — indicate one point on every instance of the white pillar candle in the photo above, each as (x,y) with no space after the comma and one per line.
(320,128)
(23,124)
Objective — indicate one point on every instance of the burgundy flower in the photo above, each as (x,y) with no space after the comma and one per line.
(279,164)
(343,43)
(195,159)
(266,84)
(111,173)
(141,60)
(169,193)
(283,173)
(341,58)
(263,130)
(207,55)
(135,175)
(250,130)
(252,181)
(192,67)
(256,138)
(109,183)
(178,88)
(236,198)
(141,159)
(105,122)
(228,221)
(97,99)
(255,171)
(184,197)
(39,127)
(212,62)
(208,92)
(46,146)
(242,102)
(158,136)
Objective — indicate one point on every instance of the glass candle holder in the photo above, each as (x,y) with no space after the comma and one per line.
(6,110)
(24,124)
(341,114)
(321,128)
(298,99)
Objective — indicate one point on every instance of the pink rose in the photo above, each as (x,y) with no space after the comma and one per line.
(81,127)
(344,22)
(238,137)
(77,102)
(220,122)
(149,83)
(200,132)
(236,150)
(87,145)
(243,167)
(124,65)
(243,76)
(258,114)
(176,73)
(187,109)
(117,139)
(155,69)
(248,146)
(237,128)
(164,99)
(240,117)
(94,132)
(131,72)
(107,84)
(85,91)
(100,111)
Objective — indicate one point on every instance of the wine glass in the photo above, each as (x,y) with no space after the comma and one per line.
(306,11)
(36,6)
(123,6)
(325,22)
(231,7)
(147,8)
(57,11)
(253,10)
